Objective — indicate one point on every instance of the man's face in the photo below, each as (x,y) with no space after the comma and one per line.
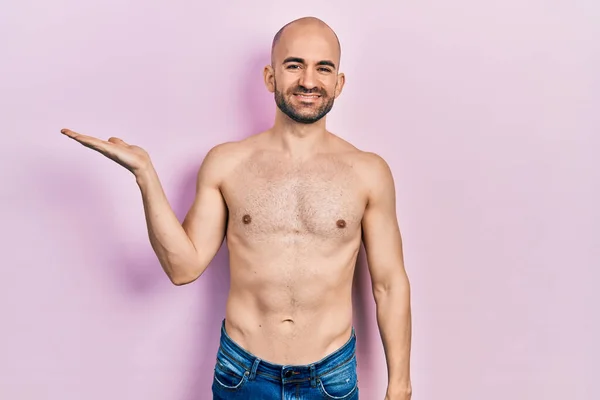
(305,79)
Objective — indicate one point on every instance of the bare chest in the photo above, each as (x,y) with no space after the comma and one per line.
(323,199)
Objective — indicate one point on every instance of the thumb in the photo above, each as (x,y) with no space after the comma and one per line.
(117,141)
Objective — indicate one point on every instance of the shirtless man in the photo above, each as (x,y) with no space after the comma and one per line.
(294,203)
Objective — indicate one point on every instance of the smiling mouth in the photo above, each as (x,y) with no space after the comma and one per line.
(307,96)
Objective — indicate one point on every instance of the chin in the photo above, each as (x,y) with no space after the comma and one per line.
(306,115)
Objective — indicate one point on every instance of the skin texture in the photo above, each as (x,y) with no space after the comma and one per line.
(294,202)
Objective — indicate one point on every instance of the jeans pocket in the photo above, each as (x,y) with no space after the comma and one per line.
(341,383)
(228,374)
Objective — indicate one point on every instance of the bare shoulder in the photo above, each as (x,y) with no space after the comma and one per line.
(376,175)
(373,172)
(222,154)
(371,167)
(223,158)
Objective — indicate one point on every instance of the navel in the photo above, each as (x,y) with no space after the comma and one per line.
(246,219)
(341,223)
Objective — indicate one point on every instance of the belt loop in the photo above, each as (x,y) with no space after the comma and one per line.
(254,367)
(313,376)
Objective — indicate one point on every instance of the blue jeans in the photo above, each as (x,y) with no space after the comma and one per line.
(239,375)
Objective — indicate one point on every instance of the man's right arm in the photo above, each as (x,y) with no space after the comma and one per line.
(185,249)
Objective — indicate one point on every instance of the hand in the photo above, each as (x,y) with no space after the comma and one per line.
(395,393)
(134,158)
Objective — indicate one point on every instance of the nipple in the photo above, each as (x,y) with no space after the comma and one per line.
(246,219)
(341,223)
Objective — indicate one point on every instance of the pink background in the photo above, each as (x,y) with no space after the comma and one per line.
(487,112)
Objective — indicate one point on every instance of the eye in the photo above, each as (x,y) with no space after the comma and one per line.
(293,66)
(327,70)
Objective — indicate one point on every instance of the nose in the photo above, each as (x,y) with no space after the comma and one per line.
(308,79)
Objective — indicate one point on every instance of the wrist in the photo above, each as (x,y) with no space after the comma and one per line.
(144,175)
(399,391)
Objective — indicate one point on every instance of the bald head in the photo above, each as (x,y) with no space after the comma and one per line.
(302,27)
(304,72)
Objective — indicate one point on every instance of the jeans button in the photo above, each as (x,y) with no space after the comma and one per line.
(288,373)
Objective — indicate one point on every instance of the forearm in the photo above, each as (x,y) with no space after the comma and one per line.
(173,247)
(395,326)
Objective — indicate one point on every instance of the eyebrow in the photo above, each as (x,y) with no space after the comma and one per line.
(302,61)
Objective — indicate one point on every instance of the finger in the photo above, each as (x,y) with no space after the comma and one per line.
(88,141)
(73,134)
(68,132)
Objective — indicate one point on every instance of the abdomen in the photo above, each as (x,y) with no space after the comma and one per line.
(291,299)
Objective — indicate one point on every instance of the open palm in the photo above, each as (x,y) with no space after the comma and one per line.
(132,157)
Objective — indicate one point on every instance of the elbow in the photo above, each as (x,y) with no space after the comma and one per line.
(182,280)
(181,276)
(179,281)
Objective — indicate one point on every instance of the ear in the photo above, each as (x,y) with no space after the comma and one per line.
(269,77)
(341,80)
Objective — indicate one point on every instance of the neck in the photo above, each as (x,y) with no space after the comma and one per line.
(296,139)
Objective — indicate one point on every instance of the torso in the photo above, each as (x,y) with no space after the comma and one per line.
(294,232)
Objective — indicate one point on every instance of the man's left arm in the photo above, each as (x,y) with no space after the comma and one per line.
(390,284)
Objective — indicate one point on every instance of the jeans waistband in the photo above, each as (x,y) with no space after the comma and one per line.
(254,365)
